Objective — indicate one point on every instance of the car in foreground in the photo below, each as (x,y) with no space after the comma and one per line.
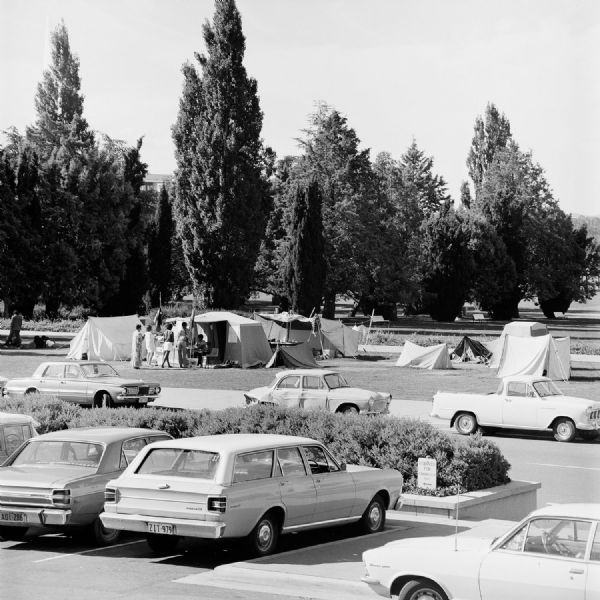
(86,383)
(553,554)
(318,389)
(56,481)
(253,486)
(14,430)
(524,402)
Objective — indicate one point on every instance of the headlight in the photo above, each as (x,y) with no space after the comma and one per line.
(371,403)
(130,391)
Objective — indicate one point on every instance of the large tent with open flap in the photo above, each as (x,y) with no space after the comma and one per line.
(428,357)
(469,350)
(298,356)
(104,338)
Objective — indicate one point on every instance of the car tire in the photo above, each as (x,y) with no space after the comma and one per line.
(30,392)
(589,435)
(264,538)
(349,410)
(466,423)
(373,519)
(13,534)
(564,430)
(162,543)
(103,400)
(102,535)
(419,589)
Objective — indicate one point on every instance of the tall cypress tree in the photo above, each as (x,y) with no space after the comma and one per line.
(220,193)
(305,267)
(159,250)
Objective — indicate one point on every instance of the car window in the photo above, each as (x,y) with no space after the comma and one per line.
(98,370)
(515,542)
(291,463)
(334,381)
(179,462)
(291,382)
(312,382)
(558,537)
(517,388)
(84,454)
(546,388)
(14,436)
(318,461)
(595,553)
(72,372)
(54,371)
(130,449)
(253,465)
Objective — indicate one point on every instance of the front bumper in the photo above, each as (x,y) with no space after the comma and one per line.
(588,425)
(38,517)
(183,527)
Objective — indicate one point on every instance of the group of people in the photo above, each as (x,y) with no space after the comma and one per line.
(148,339)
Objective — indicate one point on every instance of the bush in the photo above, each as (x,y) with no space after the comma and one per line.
(384,442)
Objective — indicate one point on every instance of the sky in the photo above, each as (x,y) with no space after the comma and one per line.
(397,69)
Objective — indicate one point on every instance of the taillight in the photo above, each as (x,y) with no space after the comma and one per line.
(217,504)
(111,495)
(61,498)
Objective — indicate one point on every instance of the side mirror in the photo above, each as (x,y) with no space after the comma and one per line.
(343,466)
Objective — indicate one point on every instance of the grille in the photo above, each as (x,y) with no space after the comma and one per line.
(595,415)
(143,391)
(24,497)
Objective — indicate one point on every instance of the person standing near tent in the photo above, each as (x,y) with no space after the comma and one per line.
(182,344)
(168,345)
(14,336)
(150,345)
(137,340)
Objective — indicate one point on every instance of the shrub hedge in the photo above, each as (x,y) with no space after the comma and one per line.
(473,463)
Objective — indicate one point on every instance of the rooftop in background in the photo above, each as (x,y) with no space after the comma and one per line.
(155,182)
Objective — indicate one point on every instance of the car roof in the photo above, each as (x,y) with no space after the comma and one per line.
(578,510)
(306,372)
(10,418)
(236,442)
(96,434)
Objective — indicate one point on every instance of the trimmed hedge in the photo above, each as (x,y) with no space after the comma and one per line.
(474,463)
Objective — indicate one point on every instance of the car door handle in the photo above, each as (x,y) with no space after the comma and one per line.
(164,486)
(577,571)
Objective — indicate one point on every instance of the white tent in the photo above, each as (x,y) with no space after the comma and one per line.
(430,357)
(234,337)
(522,329)
(540,355)
(104,338)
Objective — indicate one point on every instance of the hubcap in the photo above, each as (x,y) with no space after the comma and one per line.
(375,516)
(264,535)
(564,430)
(427,595)
(465,423)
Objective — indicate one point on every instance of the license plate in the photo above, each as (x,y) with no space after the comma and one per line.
(13,517)
(143,400)
(163,528)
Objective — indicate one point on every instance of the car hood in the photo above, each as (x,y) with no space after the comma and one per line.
(352,392)
(116,381)
(259,392)
(574,401)
(43,476)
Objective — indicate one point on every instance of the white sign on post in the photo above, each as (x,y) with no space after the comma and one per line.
(427,473)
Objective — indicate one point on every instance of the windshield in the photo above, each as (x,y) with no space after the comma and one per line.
(98,370)
(178,462)
(546,388)
(82,454)
(334,381)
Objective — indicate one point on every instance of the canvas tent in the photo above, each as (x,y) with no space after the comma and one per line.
(298,356)
(469,350)
(522,329)
(232,337)
(419,357)
(539,355)
(289,327)
(339,338)
(104,338)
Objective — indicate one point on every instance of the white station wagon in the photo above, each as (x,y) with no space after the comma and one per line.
(252,486)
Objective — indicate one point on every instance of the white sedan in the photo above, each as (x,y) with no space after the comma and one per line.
(553,554)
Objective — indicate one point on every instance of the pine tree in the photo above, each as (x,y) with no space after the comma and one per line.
(305,264)
(220,194)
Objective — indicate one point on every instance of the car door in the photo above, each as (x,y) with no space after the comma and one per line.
(520,405)
(72,386)
(543,560)
(336,490)
(287,391)
(314,393)
(49,382)
(297,488)
(592,587)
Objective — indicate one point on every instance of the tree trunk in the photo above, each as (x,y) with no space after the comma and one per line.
(329,306)
(52,305)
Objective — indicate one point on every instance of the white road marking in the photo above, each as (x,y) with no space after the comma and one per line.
(565,466)
(87,551)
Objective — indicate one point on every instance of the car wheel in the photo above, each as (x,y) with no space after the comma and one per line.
(161,543)
(373,519)
(422,590)
(102,535)
(564,430)
(588,435)
(13,533)
(349,410)
(466,423)
(103,400)
(30,392)
(264,537)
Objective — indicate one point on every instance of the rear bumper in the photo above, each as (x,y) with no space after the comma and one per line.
(183,527)
(38,517)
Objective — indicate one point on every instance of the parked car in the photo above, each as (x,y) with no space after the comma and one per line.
(523,402)
(252,486)
(318,389)
(553,554)
(14,430)
(87,383)
(56,481)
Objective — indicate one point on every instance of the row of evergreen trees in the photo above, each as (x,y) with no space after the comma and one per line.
(78,228)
